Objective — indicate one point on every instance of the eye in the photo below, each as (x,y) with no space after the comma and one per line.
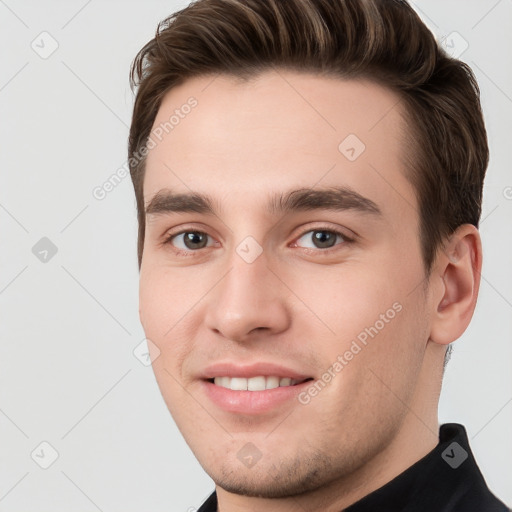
(323,238)
(187,241)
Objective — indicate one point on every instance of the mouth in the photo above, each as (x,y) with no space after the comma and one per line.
(257,383)
(251,389)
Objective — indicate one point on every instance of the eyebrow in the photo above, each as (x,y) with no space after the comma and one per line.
(340,198)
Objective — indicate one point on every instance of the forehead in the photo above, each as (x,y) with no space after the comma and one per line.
(237,140)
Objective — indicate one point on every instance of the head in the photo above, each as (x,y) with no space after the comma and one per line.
(352,107)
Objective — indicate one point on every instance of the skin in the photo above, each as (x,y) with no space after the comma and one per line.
(296,305)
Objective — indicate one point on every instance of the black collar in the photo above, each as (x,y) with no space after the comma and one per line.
(445,480)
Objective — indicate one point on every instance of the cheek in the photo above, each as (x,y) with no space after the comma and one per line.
(162,308)
(369,316)
(165,297)
(164,304)
(342,303)
(364,356)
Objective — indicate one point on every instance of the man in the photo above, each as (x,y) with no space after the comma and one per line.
(308,177)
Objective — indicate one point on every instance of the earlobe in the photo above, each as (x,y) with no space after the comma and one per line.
(458,269)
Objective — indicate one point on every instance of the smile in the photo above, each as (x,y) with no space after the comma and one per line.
(258,383)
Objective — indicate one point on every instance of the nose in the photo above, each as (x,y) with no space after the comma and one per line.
(249,299)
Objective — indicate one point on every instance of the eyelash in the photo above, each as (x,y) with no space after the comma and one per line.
(189,253)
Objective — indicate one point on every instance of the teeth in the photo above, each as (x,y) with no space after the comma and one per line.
(238,384)
(256,384)
(259,383)
(272,382)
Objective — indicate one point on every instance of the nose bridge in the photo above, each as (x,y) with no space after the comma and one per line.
(247,297)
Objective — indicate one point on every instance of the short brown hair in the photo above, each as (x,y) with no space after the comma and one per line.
(381,40)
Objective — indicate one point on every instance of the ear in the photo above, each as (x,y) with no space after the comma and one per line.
(456,281)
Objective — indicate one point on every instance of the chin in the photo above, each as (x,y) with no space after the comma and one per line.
(273,480)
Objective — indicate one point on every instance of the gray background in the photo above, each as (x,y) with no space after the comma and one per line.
(69,325)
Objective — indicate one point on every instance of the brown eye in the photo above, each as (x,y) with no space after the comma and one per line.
(189,240)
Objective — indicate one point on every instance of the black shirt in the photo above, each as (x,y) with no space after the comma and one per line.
(445,480)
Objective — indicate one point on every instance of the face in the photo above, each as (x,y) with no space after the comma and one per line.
(317,291)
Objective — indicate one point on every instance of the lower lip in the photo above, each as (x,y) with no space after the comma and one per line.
(251,402)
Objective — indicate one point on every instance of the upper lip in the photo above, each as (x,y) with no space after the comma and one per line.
(228,369)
